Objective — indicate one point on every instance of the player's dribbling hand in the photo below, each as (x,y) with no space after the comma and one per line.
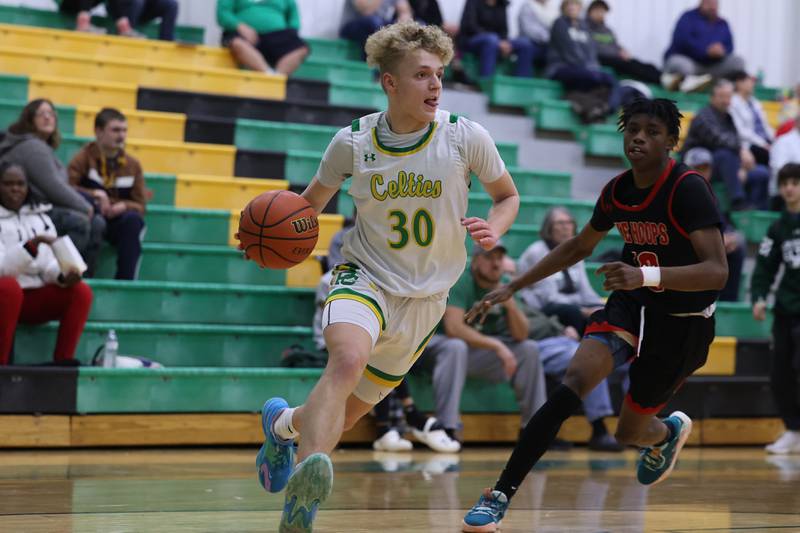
(760,310)
(479,310)
(621,276)
(480,232)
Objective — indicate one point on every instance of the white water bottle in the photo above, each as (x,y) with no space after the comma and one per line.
(110,350)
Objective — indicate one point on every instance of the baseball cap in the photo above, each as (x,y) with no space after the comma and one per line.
(477,250)
(697,157)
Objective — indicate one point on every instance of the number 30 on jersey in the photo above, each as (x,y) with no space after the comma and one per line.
(422,228)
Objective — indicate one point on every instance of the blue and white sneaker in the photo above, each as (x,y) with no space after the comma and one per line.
(309,487)
(656,462)
(276,457)
(486,515)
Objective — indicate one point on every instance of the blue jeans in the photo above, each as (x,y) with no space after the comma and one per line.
(143,11)
(726,166)
(487,47)
(555,353)
(125,232)
(583,79)
(360,29)
(757,187)
(730,293)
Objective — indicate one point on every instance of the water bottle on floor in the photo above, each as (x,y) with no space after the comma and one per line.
(110,350)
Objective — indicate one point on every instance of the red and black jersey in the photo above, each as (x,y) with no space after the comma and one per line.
(655,224)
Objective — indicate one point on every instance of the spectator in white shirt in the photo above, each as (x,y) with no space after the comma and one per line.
(751,122)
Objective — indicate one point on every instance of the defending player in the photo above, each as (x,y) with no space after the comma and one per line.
(410,170)
(660,314)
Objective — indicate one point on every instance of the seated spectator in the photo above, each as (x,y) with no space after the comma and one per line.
(751,122)
(701,49)
(428,12)
(610,53)
(569,296)
(262,36)
(31,143)
(713,128)
(790,108)
(785,150)
(113,181)
(127,15)
(362,18)
(498,350)
(700,160)
(572,60)
(484,32)
(536,17)
(33,289)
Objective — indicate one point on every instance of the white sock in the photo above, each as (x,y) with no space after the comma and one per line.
(283,428)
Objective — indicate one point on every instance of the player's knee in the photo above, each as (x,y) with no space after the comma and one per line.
(346,366)
(577,380)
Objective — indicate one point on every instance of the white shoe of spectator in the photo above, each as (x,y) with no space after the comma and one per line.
(671,82)
(787,443)
(437,440)
(391,441)
(696,83)
(133,34)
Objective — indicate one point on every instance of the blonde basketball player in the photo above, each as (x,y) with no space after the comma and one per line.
(409,169)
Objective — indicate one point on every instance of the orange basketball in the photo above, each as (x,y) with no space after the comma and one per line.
(278,229)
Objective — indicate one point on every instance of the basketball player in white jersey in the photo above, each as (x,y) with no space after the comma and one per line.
(410,173)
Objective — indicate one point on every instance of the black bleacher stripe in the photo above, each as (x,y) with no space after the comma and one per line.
(49,390)
(233,107)
(212,130)
(260,164)
(307,90)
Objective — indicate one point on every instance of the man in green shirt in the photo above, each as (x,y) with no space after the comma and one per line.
(262,34)
(497,350)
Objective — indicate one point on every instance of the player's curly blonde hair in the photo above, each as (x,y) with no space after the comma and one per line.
(386,47)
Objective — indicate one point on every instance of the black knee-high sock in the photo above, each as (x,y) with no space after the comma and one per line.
(536,438)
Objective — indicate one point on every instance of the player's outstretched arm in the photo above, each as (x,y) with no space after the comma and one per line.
(710,273)
(505,205)
(318,195)
(562,256)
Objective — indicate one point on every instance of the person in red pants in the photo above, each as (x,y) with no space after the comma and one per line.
(33,289)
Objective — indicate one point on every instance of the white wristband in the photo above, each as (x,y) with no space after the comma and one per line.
(652,276)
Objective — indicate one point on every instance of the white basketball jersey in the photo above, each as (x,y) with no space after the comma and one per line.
(410,202)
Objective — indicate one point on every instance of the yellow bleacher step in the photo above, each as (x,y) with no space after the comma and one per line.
(141,124)
(149,73)
(721,358)
(74,91)
(90,46)
(173,157)
(214,192)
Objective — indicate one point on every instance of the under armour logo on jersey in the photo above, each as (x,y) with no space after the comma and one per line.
(369,157)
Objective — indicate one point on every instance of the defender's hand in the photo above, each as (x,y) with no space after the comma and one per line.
(621,276)
(479,310)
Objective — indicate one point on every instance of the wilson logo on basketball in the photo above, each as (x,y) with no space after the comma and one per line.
(301,225)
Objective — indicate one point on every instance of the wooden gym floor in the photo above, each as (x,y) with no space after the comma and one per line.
(177,490)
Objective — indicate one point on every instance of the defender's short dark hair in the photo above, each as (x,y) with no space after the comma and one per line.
(661,108)
(789,171)
(106,115)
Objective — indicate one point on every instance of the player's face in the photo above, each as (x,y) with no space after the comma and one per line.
(790,191)
(646,140)
(417,85)
(489,265)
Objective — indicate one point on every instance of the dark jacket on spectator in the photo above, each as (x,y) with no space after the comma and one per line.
(570,45)
(604,39)
(427,11)
(47,177)
(712,129)
(121,178)
(478,17)
(694,33)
